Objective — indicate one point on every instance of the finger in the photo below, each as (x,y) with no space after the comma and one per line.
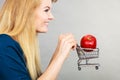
(68,40)
(74,45)
(66,37)
(71,43)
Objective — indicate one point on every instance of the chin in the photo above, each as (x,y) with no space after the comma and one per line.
(39,31)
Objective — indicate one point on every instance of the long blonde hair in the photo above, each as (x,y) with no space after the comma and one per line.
(17,20)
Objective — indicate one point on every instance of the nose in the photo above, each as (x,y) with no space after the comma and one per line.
(51,17)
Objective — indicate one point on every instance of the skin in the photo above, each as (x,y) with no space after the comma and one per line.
(43,16)
(66,42)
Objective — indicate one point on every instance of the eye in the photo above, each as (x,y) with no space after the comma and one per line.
(46,10)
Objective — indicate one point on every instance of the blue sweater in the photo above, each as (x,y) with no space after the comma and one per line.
(12,61)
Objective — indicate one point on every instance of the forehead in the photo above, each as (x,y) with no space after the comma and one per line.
(46,3)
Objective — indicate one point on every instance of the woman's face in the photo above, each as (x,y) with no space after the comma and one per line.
(43,16)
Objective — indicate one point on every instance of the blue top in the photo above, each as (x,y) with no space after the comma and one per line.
(12,61)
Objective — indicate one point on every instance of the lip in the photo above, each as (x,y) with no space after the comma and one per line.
(47,22)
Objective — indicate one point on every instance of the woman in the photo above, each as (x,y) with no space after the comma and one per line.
(20,22)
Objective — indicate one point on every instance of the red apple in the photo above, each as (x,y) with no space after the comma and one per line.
(88,41)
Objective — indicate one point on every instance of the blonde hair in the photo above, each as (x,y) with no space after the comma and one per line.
(16,20)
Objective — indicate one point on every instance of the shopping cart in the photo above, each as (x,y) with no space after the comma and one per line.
(86,54)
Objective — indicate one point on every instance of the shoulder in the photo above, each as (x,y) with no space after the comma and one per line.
(12,60)
(6,40)
(9,47)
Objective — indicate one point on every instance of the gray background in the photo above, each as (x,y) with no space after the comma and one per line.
(98,17)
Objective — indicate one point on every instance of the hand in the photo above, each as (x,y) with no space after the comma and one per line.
(66,43)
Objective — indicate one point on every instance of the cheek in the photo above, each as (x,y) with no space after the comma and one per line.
(38,26)
(38,21)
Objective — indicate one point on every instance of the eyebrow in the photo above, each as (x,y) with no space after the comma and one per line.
(47,7)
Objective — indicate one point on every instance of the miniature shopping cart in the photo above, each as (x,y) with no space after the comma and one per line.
(86,54)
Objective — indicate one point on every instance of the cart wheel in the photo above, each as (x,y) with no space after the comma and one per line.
(79,68)
(96,67)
